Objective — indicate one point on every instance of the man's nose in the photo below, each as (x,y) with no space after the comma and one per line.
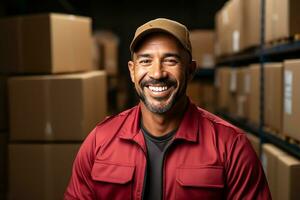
(157,70)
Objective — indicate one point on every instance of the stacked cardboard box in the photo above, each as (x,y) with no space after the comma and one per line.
(61,107)
(53,109)
(270,154)
(47,43)
(282,19)
(202,93)
(222,84)
(237,26)
(282,171)
(254,94)
(106,50)
(203,47)
(40,171)
(291,114)
(273,98)
(238,97)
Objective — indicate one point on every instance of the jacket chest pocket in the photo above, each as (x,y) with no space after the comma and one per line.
(199,182)
(113,180)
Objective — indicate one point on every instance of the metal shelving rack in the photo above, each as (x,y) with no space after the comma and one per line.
(263,54)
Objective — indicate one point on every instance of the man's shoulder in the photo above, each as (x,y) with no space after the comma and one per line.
(218,123)
(116,119)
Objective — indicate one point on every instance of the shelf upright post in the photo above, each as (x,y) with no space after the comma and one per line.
(262,61)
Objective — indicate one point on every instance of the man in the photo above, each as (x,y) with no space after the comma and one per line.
(165,147)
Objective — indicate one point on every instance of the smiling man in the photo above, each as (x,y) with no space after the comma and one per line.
(165,147)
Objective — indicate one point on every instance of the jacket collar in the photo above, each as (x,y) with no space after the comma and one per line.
(188,129)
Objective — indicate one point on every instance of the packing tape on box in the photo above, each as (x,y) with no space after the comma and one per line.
(288,91)
(233,80)
(236,41)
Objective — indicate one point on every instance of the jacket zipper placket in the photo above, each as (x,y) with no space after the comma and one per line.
(145,176)
(163,169)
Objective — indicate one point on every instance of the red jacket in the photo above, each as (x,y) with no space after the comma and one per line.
(208,159)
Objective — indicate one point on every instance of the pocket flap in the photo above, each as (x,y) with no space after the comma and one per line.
(112,172)
(201,176)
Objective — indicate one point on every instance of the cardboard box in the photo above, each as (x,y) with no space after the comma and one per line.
(251,24)
(270,156)
(273,97)
(254,95)
(40,171)
(291,113)
(3,165)
(223,30)
(222,83)
(209,97)
(203,47)
(3,103)
(288,178)
(255,142)
(108,46)
(282,19)
(236,19)
(46,43)
(194,92)
(56,107)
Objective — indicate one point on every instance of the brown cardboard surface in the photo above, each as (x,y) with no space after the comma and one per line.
(108,46)
(255,142)
(251,24)
(223,30)
(3,164)
(270,156)
(209,97)
(236,14)
(282,19)
(40,171)
(203,47)
(194,92)
(254,95)
(273,96)
(56,107)
(45,43)
(288,178)
(291,112)
(222,81)
(3,103)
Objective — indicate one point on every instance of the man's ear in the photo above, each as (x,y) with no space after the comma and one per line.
(192,69)
(131,70)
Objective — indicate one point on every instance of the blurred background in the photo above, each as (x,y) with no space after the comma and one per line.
(63,69)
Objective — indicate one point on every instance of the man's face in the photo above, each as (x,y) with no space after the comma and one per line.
(160,71)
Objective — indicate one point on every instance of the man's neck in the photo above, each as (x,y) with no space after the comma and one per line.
(161,124)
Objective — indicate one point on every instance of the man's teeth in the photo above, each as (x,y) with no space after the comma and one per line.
(158,89)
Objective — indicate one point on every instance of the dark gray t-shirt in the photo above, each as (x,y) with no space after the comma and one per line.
(156,148)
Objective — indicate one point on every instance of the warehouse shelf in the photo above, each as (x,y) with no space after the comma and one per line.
(201,73)
(277,52)
(292,149)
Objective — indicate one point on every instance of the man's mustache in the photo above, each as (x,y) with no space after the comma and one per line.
(164,81)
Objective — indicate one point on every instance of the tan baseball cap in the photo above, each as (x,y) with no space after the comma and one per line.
(178,30)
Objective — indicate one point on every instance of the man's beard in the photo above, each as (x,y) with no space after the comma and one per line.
(174,97)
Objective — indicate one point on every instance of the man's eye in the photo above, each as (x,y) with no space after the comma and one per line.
(171,61)
(145,61)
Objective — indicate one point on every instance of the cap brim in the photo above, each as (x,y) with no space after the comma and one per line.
(138,38)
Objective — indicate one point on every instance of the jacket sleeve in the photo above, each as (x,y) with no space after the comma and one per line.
(245,178)
(81,184)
